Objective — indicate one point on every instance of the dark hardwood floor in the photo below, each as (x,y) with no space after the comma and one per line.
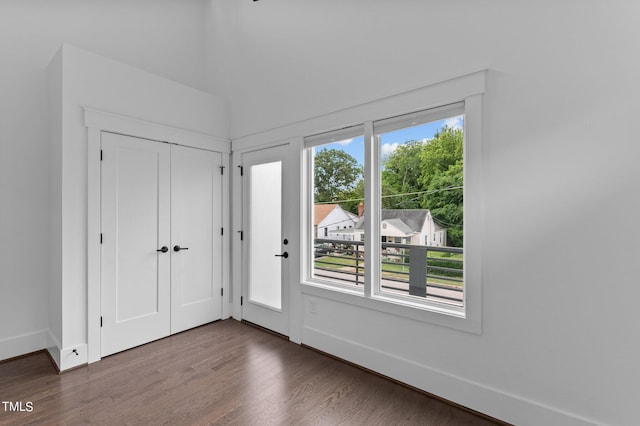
(222,373)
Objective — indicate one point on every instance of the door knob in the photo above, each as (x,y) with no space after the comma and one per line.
(178,248)
(285,255)
(164,249)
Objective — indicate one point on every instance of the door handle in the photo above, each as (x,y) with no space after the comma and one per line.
(285,255)
(164,249)
(178,248)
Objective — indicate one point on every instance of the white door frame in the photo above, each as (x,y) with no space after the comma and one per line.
(292,230)
(97,122)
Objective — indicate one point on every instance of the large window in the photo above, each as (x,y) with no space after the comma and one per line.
(393,221)
(416,166)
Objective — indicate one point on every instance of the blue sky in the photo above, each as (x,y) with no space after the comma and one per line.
(391,140)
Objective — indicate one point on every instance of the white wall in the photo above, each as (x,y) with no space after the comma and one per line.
(161,36)
(559,333)
(23,204)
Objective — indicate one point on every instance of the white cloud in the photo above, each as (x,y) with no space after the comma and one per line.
(455,122)
(388,148)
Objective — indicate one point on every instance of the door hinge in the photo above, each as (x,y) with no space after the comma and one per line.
(241,235)
(100,321)
(241,170)
(241,300)
(221,170)
(100,155)
(221,231)
(222,292)
(100,238)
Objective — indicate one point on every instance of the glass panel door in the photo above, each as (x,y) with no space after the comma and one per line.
(265,257)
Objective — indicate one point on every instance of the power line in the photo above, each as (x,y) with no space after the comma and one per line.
(442,222)
(418,193)
(435,191)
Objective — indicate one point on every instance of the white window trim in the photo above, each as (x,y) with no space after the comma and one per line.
(467,89)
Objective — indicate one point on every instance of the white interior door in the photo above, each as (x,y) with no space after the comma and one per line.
(135,226)
(265,248)
(196,240)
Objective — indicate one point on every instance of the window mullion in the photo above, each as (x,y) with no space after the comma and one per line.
(372,209)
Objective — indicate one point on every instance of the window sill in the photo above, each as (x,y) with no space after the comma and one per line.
(430,314)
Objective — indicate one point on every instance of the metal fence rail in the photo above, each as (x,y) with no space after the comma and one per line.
(406,269)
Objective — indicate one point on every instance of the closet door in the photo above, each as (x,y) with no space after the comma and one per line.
(196,240)
(135,228)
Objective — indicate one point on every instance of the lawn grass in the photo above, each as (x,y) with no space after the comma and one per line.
(394,270)
(337,262)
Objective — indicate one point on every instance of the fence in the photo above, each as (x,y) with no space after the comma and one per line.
(415,270)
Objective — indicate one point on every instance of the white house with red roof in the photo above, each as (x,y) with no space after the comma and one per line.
(332,222)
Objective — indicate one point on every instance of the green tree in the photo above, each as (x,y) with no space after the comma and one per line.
(402,174)
(445,201)
(336,175)
(442,175)
(441,152)
(434,170)
(353,198)
(356,196)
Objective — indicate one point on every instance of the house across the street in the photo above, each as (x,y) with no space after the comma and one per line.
(407,226)
(332,222)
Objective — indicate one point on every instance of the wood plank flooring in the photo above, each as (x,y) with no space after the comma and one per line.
(222,373)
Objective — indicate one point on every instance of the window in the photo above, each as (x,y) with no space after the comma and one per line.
(403,181)
(417,165)
(337,172)
(420,192)
(357,271)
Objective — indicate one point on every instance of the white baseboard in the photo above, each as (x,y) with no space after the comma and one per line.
(23,344)
(476,396)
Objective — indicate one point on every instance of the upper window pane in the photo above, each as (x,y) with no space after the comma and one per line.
(421,200)
(338,195)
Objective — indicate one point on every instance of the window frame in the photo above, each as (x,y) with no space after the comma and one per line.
(310,143)
(380,127)
(467,89)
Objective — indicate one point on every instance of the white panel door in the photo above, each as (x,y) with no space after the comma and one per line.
(196,240)
(135,226)
(265,249)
